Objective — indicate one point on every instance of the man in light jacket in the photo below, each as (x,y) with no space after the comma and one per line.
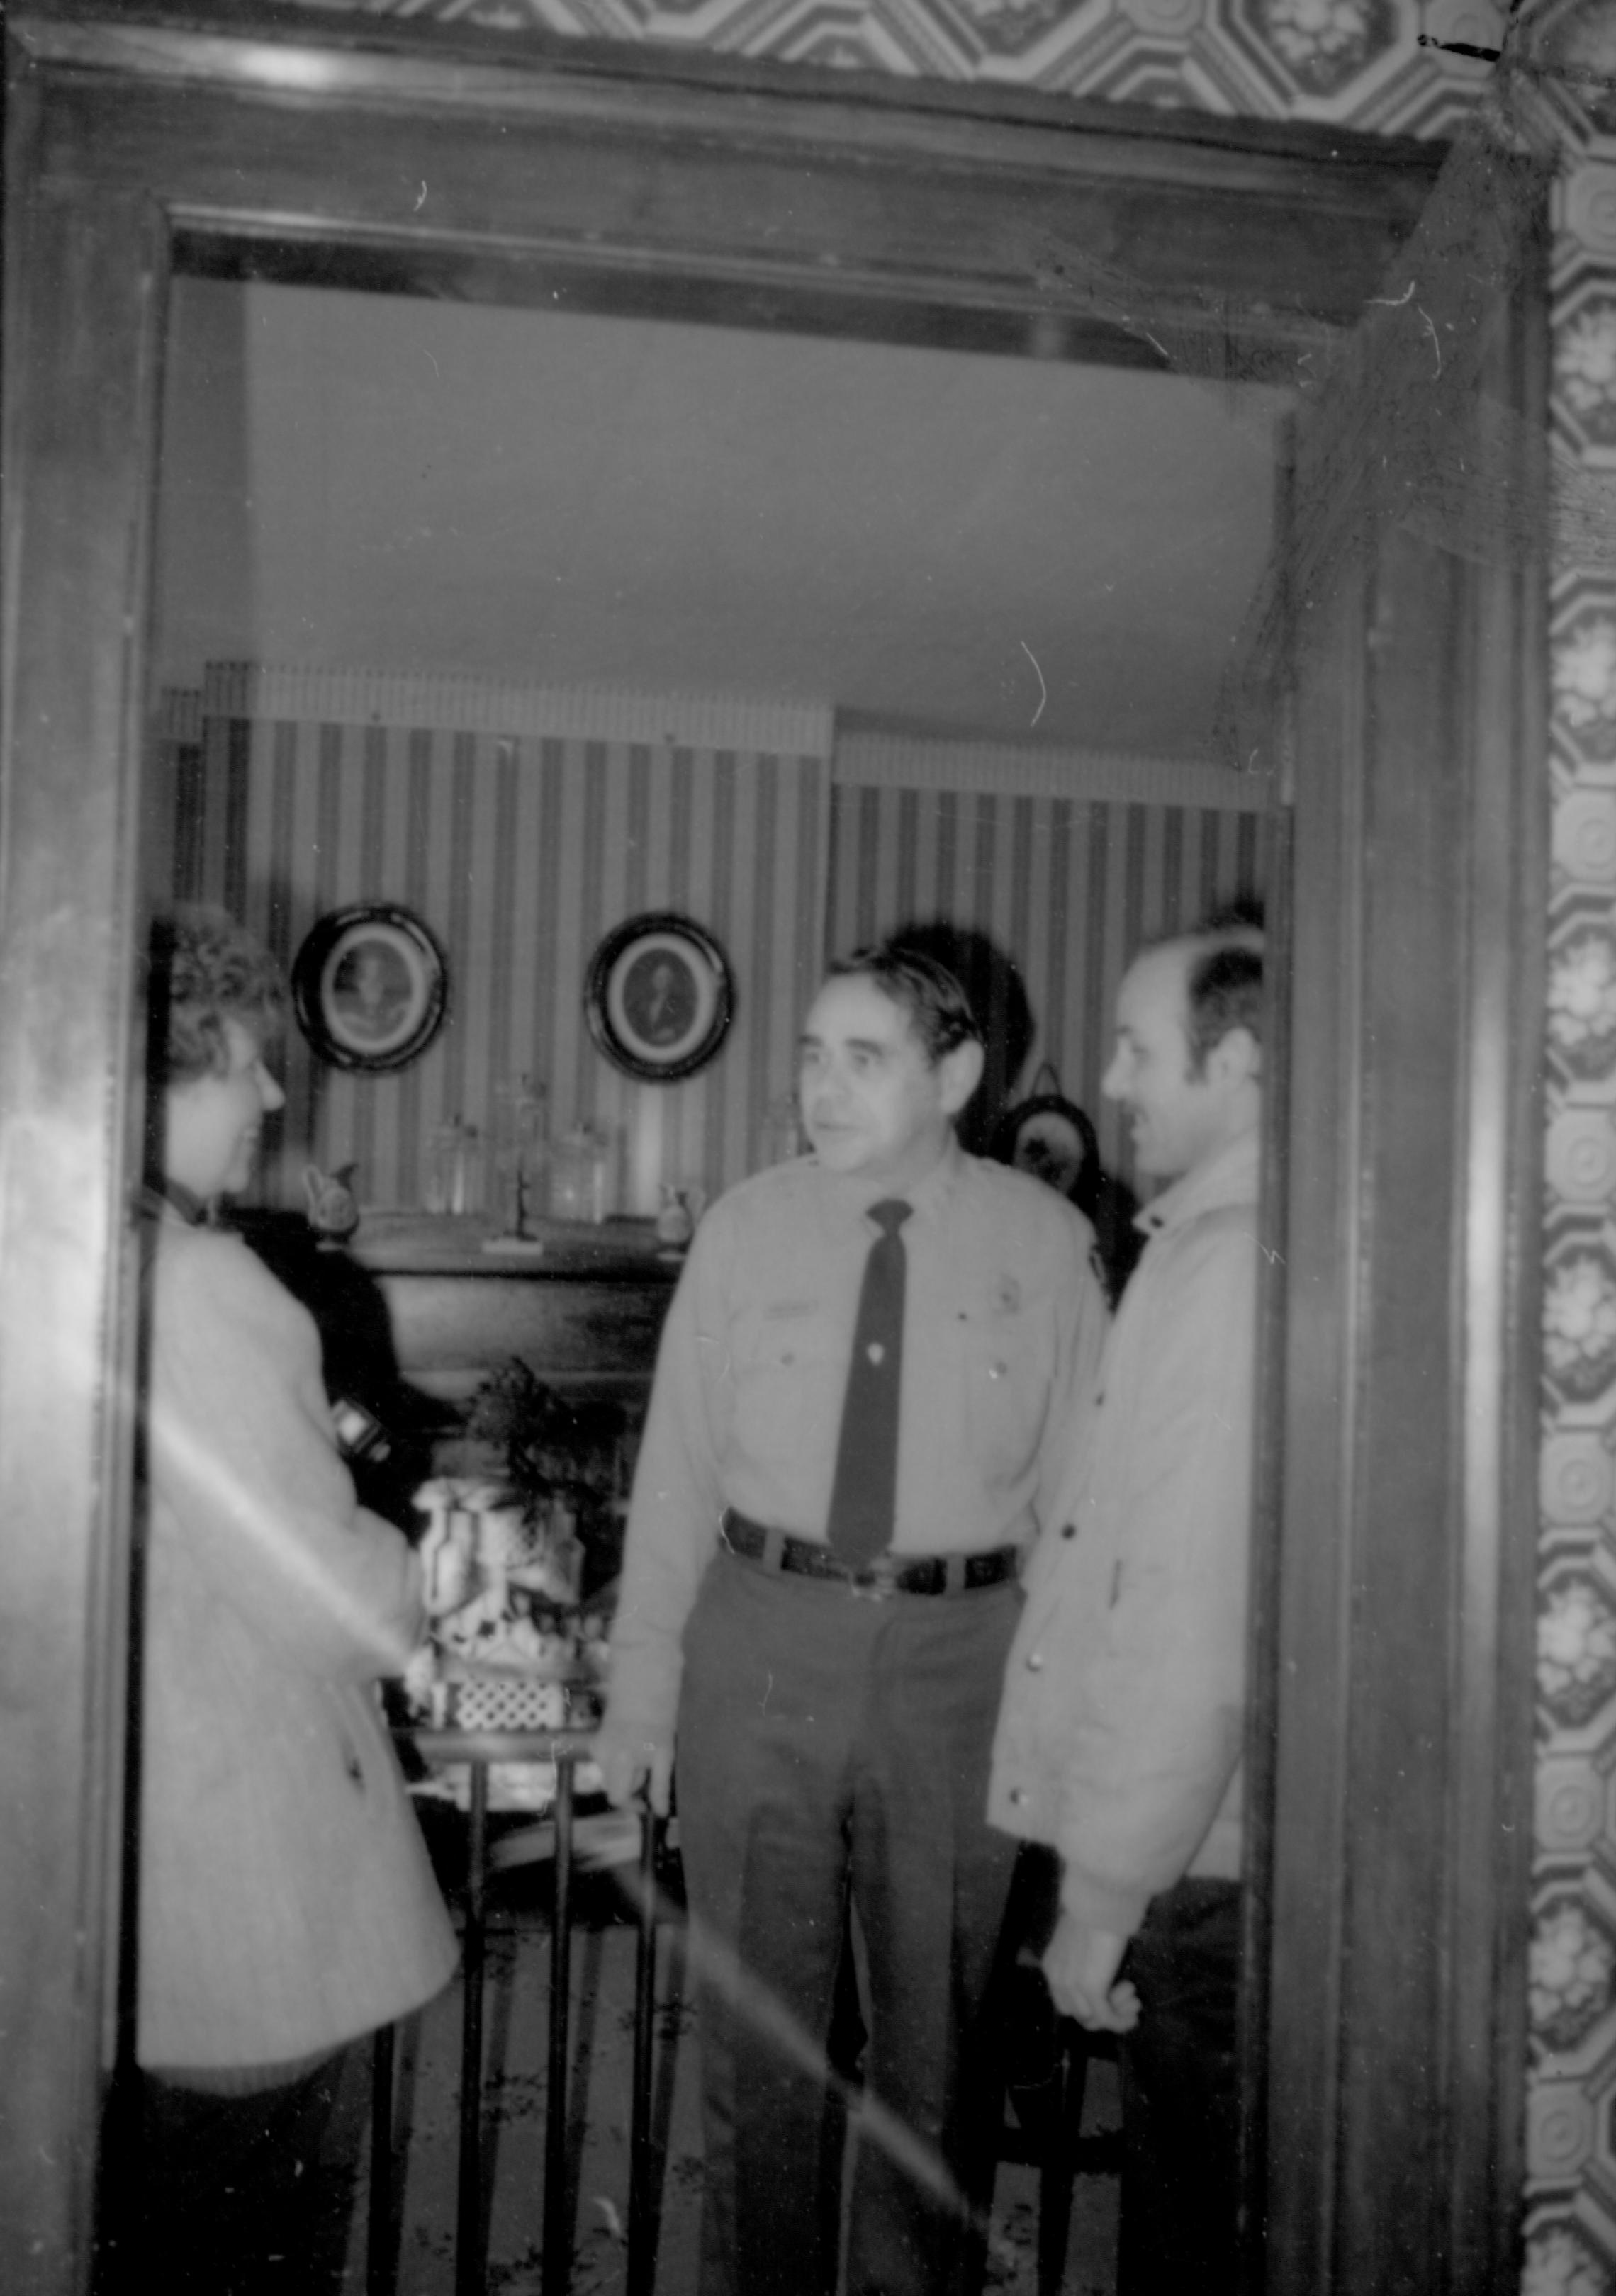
(1120,1740)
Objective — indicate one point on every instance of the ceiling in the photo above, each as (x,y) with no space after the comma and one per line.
(1014,549)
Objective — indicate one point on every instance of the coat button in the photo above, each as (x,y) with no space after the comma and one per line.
(1017,1796)
(1034,1661)
(1068,1530)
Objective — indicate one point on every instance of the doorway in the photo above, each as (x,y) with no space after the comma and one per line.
(928,214)
(1002,593)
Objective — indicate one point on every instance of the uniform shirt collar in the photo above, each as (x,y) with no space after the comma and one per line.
(928,1196)
(1228,1178)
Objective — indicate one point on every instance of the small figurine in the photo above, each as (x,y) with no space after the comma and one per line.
(678,1214)
(448,1550)
(334,1209)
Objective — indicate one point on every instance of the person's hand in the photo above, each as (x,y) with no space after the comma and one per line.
(1080,1965)
(633,1760)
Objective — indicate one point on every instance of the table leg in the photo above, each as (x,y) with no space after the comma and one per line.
(1058,2168)
(641,2272)
(468,2225)
(378,2225)
(557,2236)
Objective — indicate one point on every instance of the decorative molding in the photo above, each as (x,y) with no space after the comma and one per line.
(455,701)
(911,761)
(452,701)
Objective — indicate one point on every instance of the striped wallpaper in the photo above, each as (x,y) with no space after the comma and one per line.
(521,847)
(1067,886)
(518,852)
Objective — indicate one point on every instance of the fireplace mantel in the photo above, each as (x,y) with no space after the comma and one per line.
(582,1307)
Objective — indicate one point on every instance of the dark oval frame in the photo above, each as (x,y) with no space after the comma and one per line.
(331,1029)
(622,1034)
(1007,1132)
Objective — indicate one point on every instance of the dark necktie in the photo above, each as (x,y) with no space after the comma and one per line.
(864,1495)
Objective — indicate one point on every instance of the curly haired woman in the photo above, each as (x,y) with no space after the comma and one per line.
(287,1905)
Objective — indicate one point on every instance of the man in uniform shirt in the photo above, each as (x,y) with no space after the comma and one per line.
(840,1468)
(1124,1705)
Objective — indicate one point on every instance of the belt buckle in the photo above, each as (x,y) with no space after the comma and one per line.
(873,1582)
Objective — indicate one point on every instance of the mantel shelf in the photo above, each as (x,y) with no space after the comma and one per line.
(427,1243)
(419,1290)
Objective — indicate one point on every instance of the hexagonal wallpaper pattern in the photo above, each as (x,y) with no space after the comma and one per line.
(1406,67)
(1571,2000)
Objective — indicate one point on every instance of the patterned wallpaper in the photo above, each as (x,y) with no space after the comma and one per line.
(1412,67)
(522,824)
(520,827)
(1572,2132)
(1395,66)
(1063,869)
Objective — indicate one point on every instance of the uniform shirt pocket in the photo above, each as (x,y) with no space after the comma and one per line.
(790,1369)
(1002,1377)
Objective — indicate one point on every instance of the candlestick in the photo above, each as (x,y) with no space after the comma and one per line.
(646,1153)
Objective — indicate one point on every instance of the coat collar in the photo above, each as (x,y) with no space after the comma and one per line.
(158,1197)
(1227,1178)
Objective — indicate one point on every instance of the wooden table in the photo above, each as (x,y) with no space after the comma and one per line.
(479,1748)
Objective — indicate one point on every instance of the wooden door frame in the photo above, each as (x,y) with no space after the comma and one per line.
(229,140)
(1404,651)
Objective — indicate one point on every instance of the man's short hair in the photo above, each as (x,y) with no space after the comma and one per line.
(1223,990)
(205,969)
(1224,980)
(936,1007)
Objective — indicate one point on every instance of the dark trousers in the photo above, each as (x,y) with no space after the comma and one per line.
(1180,2097)
(834,1749)
(246,2195)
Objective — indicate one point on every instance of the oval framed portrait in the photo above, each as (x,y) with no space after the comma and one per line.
(659,998)
(370,988)
(1050,1137)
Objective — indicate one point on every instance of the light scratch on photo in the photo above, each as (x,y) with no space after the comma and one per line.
(1431,331)
(1042,689)
(744,2000)
(1395,302)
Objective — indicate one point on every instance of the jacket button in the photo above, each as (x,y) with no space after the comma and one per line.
(1034,1661)
(1018,1795)
(1068,1530)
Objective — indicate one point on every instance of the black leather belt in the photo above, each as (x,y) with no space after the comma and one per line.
(889,1574)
